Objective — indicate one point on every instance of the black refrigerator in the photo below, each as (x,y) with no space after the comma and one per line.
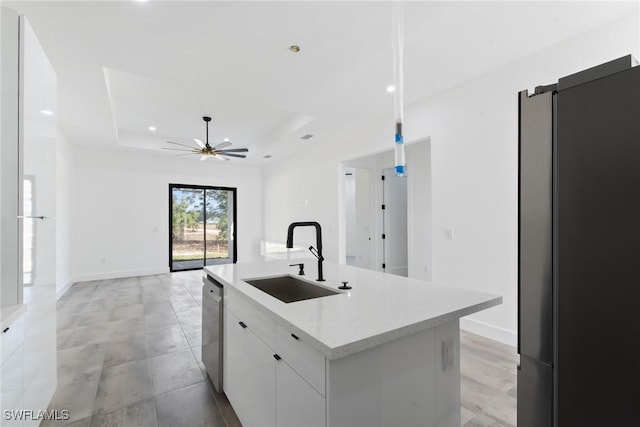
(579,250)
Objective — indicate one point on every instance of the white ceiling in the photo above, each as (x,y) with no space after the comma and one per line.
(125,66)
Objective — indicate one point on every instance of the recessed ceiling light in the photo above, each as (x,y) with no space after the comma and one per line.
(307,136)
(47,112)
(294,48)
(268,156)
(226,140)
(391,88)
(152,128)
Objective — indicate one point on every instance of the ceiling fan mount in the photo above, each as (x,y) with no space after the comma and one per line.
(205,150)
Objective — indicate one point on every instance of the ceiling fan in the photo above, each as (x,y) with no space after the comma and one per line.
(205,150)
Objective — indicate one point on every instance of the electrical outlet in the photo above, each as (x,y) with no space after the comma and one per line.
(448,355)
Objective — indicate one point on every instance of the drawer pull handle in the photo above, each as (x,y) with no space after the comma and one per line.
(5,329)
(242,324)
(295,337)
(275,356)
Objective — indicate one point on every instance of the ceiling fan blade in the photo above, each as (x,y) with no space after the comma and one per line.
(235,150)
(203,158)
(222,145)
(240,156)
(178,149)
(184,145)
(199,142)
(188,154)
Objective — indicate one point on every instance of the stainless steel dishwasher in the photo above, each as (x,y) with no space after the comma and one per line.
(212,329)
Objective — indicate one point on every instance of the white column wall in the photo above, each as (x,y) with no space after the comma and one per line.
(473,133)
(64,213)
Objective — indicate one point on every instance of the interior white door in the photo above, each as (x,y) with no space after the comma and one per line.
(395,241)
(360,216)
(364,217)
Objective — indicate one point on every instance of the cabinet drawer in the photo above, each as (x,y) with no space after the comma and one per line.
(11,339)
(261,324)
(308,362)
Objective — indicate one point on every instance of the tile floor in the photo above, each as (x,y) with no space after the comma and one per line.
(129,355)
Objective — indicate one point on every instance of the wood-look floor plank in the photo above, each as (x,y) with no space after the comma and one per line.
(487,382)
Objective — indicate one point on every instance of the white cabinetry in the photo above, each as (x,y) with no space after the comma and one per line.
(11,338)
(264,389)
(274,377)
(250,376)
(297,403)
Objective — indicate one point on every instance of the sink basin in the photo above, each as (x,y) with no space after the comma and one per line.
(289,289)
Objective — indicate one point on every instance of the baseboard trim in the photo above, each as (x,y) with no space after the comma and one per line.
(487,330)
(64,289)
(119,274)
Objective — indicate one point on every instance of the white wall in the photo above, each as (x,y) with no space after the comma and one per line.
(28,369)
(10,294)
(64,210)
(473,133)
(121,209)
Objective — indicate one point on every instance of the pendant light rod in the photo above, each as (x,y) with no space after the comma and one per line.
(398,80)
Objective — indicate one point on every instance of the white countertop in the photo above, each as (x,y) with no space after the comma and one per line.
(380,307)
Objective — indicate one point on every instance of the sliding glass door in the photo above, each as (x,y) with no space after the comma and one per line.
(202,226)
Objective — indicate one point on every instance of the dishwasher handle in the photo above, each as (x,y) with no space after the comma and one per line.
(215,288)
(215,297)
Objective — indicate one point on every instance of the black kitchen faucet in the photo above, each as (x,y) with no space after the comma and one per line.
(316,252)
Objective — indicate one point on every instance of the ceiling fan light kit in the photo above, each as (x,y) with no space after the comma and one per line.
(205,150)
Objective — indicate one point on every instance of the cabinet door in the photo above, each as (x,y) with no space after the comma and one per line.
(250,384)
(297,403)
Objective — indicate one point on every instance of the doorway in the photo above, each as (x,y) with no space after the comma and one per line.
(395,259)
(405,220)
(202,226)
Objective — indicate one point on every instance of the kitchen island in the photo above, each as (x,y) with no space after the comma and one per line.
(384,353)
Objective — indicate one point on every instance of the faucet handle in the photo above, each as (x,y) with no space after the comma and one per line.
(315,253)
(301,268)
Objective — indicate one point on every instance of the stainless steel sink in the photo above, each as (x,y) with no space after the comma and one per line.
(289,289)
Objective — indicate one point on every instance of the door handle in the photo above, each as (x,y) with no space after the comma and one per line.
(32,217)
